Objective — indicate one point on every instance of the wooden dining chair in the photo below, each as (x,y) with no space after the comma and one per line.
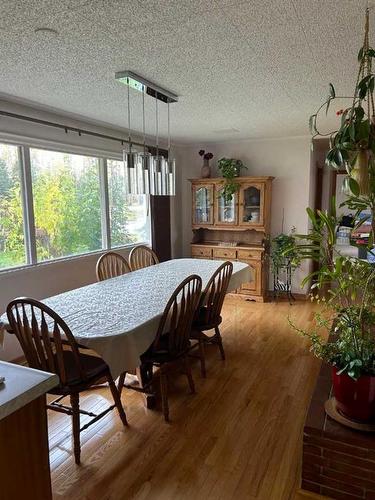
(208,314)
(49,345)
(142,256)
(111,265)
(172,342)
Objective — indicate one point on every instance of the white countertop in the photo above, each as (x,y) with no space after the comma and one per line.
(22,385)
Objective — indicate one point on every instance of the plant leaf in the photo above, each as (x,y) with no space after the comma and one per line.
(371,84)
(312,124)
(354,186)
(327,106)
(359,113)
(352,131)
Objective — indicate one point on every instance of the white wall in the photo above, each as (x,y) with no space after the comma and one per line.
(288,160)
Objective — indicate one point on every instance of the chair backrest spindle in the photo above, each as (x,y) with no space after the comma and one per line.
(178,315)
(142,256)
(43,336)
(111,265)
(213,296)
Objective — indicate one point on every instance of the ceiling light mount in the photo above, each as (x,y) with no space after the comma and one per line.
(141,84)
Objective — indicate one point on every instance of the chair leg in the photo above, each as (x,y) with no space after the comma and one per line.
(164,394)
(74,401)
(121,381)
(220,342)
(187,368)
(202,356)
(117,399)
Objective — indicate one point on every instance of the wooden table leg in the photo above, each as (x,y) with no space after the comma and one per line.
(140,381)
(144,374)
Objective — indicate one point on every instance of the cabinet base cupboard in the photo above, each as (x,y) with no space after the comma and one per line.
(236,229)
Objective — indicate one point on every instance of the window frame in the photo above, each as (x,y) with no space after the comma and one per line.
(28,205)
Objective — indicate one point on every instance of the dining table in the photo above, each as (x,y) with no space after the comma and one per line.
(118,317)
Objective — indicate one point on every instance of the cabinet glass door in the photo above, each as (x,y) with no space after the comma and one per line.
(226,210)
(252,204)
(203,205)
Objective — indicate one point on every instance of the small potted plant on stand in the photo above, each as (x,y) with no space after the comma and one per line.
(230,169)
(282,266)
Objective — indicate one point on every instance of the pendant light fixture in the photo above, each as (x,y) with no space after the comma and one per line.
(131,161)
(158,167)
(145,173)
(145,159)
(171,163)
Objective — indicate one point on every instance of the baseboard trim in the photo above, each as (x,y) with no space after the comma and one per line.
(284,297)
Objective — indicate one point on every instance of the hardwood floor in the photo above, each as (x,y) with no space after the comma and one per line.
(239,437)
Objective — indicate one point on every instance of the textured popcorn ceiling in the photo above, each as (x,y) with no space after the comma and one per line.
(243,69)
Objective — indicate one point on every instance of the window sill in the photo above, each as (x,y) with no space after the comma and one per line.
(29,267)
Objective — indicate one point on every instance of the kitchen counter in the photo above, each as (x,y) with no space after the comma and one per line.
(22,385)
(24,454)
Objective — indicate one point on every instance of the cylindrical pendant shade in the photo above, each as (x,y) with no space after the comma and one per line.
(143,172)
(164,177)
(130,174)
(157,184)
(171,177)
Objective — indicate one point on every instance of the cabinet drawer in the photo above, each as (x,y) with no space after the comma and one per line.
(224,253)
(249,254)
(201,252)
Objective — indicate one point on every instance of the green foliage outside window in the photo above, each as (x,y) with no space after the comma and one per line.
(67,206)
(12,250)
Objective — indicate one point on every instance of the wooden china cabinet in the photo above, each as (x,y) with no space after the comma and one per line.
(236,230)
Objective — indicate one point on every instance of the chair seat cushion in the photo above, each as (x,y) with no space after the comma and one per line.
(161,354)
(200,320)
(93,366)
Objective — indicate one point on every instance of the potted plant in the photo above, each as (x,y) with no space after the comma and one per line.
(206,169)
(283,251)
(353,144)
(348,313)
(230,169)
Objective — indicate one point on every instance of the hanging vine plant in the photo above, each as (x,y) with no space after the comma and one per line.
(230,169)
(352,146)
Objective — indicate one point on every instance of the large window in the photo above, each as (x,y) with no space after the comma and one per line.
(128,214)
(66,208)
(66,194)
(12,244)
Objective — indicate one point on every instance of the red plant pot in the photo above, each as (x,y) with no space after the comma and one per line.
(355,398)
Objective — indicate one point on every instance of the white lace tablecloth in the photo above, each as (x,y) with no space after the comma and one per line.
(118,318)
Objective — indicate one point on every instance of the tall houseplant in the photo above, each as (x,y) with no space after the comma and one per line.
(230,169)
(348,306)
(352,146)
(347,314)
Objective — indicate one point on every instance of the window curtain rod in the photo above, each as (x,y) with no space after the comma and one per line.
(67,128)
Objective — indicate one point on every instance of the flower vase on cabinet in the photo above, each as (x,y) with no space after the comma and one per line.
(206,168)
